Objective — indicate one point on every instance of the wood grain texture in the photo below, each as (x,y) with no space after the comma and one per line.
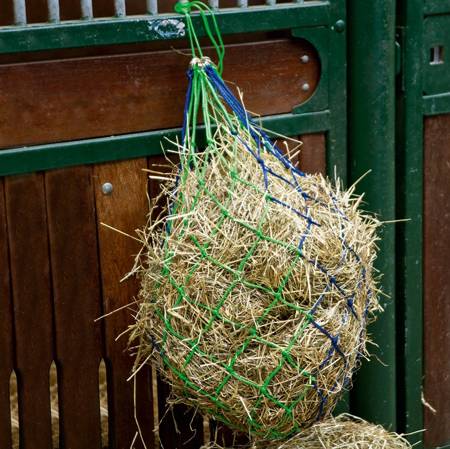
(101,96)
(6,329)
(126,209)
(312,157)
(77,303)
(437,279)
(33,317)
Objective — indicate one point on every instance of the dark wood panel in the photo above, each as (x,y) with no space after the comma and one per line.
(30,275)
(77,303)
(180,427)
(126,209)
(6,329)
(312,157)
(437,279)
(78,98)
(225,437)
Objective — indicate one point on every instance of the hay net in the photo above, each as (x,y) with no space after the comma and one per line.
(256,279)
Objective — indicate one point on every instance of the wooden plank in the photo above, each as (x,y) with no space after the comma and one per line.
(6,330)
(312,158)
(77,303)
(136,92)
(125,209)
(437,280)
(33,321)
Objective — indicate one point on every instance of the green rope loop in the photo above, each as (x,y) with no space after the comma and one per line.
(210,25)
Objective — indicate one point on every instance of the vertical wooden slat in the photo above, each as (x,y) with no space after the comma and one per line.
(6,330)
(77,302)
(437,280)
(312,158)
(30,278)
(124,208)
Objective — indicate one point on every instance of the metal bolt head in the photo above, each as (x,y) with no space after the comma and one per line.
(305,87)
(304,59)
(107,188)
(339,26)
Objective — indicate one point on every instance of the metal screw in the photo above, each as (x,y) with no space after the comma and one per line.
(304,59)
(107,188)
(305,87)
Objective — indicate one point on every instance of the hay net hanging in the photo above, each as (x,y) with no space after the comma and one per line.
(256,279)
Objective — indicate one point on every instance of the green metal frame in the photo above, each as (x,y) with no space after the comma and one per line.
(372,153)
(117,30)
(410,205)
(416,33)
(129,146)
(435,7)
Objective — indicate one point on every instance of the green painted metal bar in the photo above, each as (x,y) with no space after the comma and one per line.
(435,44)
(150,28)
(436,104)
(436,7)
(337,154)
(371,133)
(410,205)
(337,137)
(128,146)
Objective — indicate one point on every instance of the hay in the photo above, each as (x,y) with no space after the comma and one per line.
(256,279)
(244,325)
(345,431)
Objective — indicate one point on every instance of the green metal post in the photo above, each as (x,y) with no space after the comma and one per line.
(371,51)
(337,136)
(410,203)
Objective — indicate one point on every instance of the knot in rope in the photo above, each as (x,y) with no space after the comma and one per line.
(187,8)
(183,7)
(201,62)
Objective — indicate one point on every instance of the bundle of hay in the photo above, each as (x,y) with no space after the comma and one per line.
(257,282)
(345,431)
